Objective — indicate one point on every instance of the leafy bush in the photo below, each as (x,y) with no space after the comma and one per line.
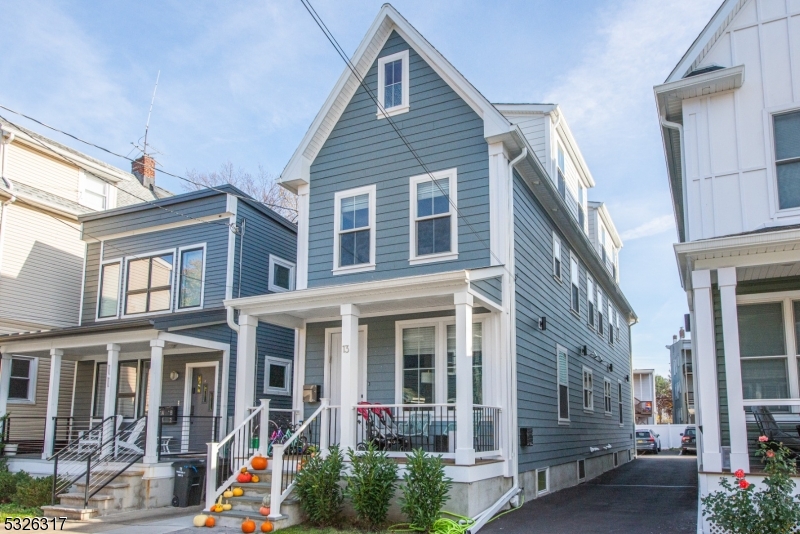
(738,508)
(34,492)
(371,485)
(426,490)
(9,482)
(318,488)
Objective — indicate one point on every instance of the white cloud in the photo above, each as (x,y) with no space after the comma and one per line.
(652,227)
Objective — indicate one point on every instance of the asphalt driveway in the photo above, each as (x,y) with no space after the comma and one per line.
(651,495)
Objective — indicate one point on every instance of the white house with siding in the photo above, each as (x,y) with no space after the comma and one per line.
(729,115)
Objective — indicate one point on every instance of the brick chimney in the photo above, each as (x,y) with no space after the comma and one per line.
(144,168)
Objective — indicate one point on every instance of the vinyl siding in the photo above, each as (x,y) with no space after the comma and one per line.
(722,384)
(363,150)
(41,170)
(534,127)
(490,287)
(539,294)
(40,279)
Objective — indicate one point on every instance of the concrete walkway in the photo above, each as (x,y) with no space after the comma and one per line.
(160,521)
(651,495)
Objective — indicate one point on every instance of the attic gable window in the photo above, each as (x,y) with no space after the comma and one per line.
(393,84)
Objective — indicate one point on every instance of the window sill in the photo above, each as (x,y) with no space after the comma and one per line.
(391,112)
(278,289)
(21,401)
(281,392)
(430,258)
(575,312)
(354,269)
(564,421)
(587,410)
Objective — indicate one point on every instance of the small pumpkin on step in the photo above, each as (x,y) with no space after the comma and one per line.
(248,526)
(258,462)
(199,520)
(267,526)
(238,492)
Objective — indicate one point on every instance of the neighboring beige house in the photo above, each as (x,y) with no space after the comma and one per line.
(44,186)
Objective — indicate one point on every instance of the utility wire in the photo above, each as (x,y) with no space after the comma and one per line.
(116,154)
(339,50)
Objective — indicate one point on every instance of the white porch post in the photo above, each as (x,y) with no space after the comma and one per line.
(707,370)
(740,458)
(112,376)
(349,385)
(52,402)
(5,383)
(465,448)
(154,402)
(299,373)
(245,367)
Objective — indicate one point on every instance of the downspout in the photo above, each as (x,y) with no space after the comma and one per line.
(229,309)
(511,495)
(675,126)
(4,142)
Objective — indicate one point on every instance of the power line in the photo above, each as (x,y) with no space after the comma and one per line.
(118,155)
(339,50)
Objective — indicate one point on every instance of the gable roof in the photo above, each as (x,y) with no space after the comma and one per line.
(297,171)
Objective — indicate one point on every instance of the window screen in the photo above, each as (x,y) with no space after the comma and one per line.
(761,330)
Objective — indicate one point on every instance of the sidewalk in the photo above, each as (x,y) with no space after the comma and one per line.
(162,521)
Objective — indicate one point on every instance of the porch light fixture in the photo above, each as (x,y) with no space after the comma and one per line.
(543,323)
(610,367)
(173,376)
(627,378)
(584,350)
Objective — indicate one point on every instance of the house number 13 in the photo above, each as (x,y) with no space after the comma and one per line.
(346,348)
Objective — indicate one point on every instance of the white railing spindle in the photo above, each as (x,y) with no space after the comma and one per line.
(263,428)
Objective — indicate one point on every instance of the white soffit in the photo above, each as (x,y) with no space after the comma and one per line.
(706,84)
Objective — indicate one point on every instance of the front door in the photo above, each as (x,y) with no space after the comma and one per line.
(333,384)
(199,427)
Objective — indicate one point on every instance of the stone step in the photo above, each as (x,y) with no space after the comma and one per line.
(79,486)
(233,518)
(248,503)
(70,512)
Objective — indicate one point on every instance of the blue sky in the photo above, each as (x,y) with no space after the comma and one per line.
(242,81)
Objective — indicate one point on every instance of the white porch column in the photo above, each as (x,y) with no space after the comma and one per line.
(740,459)
(349,385)
(112,376)
(5,383)
(299,373)
(245,368)
(465,447)
(706,370)
(154,402)
(52,402)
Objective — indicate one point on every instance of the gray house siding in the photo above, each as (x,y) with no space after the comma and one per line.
(539,294)
(490,287)
(363,150)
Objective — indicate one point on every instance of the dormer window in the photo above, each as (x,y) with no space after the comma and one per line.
(393,84)
(354,230)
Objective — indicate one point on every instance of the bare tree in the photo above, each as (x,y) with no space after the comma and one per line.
(262,186)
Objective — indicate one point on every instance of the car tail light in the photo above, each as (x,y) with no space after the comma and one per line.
(652,439)
(685,438)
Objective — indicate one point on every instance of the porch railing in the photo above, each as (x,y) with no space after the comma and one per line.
(186,435)
(26,432)
(778,419)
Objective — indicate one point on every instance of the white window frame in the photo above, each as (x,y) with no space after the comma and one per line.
(561,158)
(370,190)
(608,404)
(109,191)
(620,404)
(103,263)
(32,377)
(557,272)
(124,283)
(277,260)
(600,314)
(587,372)
(382,112)
(177,274)
(452,176)
(540,491)
(575,281)
(285,391)
(561,420)
(591,307)
(770,114)
(610,323)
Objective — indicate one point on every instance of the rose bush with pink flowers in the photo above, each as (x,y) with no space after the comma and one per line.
(739,508)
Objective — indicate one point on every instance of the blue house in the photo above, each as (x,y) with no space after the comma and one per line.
(451,273)
(155,334)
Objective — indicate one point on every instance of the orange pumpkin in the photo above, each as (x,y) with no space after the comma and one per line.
(264,510)
(248,526)
(210,522)
(244,478)
(266,526)
(259,463)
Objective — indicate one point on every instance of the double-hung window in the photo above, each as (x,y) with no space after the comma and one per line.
(393,84)
(575,301)
(556,257)
(588,389)
(108,296)
(281,274)
(354,230)
(610,322)
(619,401)
(434,221)
(22,387)
(94,192)
(590,296)
(278,373)
(786,130)
(419,365)
(563,383)
(607,395)
(148,286)
(190,284)
(600,325)
(763,350)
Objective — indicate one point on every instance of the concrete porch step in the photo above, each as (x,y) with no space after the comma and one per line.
(249,503)
(70,512)
(290,510)
(79,487)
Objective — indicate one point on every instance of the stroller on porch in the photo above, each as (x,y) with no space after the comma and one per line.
(379,428)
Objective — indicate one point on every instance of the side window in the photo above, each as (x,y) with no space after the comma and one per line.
(575,301)
(277,376)
(354,230)
(563,384)
(190,285)
(590,296)
(94,192)
(148,286)
(600,325)
(588,389)
(607,395)
(610,323)
(434,221)
(556,257)
(22,388)
(393,84)
(281,274)
(108,294)
(786,131)
(619,401)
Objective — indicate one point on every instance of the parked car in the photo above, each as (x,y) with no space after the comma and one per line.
(647,441)
(689,440)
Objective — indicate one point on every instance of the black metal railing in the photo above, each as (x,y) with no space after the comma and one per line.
(186,435)
(69,429)
(27,433)
(403,427)
(486,421)
(780,423)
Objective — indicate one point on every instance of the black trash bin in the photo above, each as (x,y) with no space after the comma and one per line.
(190,478)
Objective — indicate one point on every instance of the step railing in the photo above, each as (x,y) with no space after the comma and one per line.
(225,458)
(314,436)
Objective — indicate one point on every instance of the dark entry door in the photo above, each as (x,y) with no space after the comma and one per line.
(202,421)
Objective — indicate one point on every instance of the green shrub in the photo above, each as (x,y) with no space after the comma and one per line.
(319,490)
(426,489)
(9,482)
(34,492)
(371,486)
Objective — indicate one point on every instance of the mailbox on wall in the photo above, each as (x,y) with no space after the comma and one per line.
(168,414)
(311,392)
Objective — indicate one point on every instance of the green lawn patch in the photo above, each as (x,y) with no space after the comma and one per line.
(14,510)
(302,529)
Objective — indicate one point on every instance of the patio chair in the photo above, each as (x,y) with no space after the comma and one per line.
(767,426)
(129,442)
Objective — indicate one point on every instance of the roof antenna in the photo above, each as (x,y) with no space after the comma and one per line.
(150,112)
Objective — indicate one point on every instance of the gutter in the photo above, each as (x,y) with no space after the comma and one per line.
(4,144)
(675,126)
